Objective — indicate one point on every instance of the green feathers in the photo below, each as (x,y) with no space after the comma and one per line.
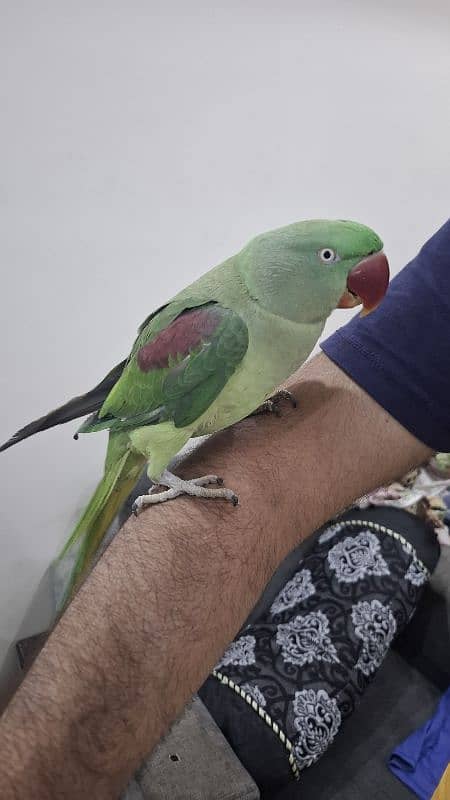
(122,470)
(176,375)
(192,385)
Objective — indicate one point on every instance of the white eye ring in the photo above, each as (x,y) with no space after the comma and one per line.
(328,256)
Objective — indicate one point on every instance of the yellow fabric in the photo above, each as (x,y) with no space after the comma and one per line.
(442,791)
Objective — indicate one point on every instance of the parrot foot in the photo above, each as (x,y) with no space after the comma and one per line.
(196,487)
(272,405)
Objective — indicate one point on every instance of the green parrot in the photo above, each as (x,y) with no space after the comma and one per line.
(212,356)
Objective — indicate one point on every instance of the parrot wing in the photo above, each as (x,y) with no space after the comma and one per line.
(180,362)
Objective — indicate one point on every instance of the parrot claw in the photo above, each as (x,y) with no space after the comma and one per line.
(196,487)
(272,405)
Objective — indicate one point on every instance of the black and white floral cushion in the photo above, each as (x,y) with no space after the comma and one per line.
(302,666)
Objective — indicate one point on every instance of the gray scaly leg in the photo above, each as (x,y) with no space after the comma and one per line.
(196,487)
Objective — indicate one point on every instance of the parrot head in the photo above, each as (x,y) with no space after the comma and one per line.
(305,270)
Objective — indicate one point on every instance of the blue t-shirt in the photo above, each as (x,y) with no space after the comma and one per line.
(400,353)
(422,758)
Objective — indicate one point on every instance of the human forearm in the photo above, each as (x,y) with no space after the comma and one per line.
(176,584)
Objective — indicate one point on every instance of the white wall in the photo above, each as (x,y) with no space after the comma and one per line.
(143,142)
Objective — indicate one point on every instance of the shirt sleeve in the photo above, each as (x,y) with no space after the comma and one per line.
(400,353)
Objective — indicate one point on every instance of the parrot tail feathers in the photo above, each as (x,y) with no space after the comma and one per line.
(77,407)
(120,477)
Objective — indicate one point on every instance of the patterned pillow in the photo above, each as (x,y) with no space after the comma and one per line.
(302,666)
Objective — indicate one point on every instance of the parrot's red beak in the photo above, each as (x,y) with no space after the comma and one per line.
(367,283)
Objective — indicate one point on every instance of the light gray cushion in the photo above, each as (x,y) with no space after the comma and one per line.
(193,762)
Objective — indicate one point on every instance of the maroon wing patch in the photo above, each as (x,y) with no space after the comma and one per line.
(184,334)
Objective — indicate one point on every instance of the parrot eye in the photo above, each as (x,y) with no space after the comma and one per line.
(328,256)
